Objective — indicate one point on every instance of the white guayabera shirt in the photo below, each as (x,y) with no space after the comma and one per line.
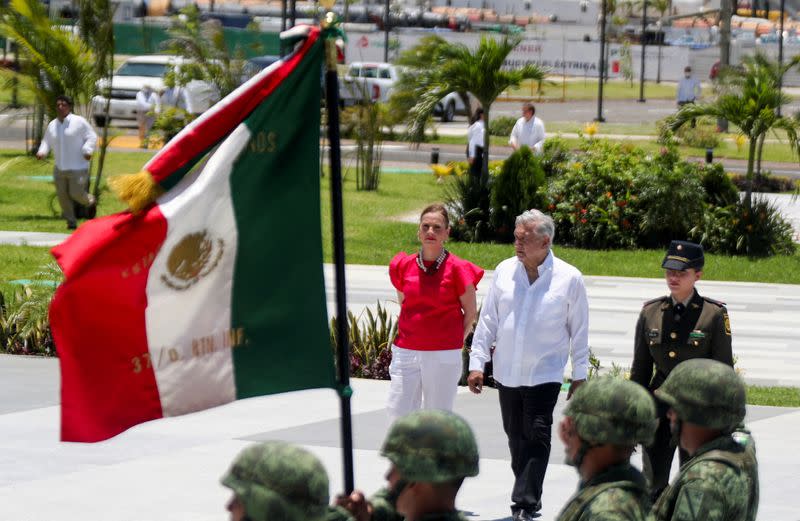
(529,133)
(533,326)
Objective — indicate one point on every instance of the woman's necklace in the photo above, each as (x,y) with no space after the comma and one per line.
(436,265)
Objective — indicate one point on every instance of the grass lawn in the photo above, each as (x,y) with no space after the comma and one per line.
(775,396)
(373,228)
(586,89)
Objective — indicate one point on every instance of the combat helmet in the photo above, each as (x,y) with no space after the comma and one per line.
(276,481)
(432,446)
(612,410)
(705,392)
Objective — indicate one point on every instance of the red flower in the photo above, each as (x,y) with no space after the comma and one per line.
(584,211)
(583,221)
(622,203)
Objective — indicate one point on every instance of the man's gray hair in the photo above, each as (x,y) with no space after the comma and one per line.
(542,223)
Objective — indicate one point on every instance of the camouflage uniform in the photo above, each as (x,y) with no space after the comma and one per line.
(618,412)
(383,504)
(278,481)
(720,482)
(667,334)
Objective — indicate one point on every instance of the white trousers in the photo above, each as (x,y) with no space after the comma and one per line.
(423,379)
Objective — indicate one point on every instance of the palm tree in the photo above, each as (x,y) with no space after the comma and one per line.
(97,29)
(207,56)
(772,71)
(52,61)
(454,67)
(749,99)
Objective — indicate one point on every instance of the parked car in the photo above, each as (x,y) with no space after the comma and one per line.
(375,80)
(196,97)
(449,106)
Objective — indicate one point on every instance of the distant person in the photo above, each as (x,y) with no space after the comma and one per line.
(671,329)
(475,142)
(436,293)
(602,425)
(72,140)
(689,90)
(528,130)
(148,105)
(535,318)
(276,480)
(706,401)
(431,452)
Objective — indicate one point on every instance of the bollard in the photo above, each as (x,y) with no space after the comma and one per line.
(435,155)
(709,155)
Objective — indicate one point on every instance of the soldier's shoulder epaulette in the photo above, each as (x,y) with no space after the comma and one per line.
(657,300)
(715,302)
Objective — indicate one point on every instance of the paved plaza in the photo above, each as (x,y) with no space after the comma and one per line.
(168,470)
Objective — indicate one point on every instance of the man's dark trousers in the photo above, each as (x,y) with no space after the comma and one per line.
(657,458)
(528,419)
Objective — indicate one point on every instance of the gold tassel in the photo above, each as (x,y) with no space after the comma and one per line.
(136,190)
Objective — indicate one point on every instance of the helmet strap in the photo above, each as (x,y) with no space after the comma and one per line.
(395,492)
(675,430)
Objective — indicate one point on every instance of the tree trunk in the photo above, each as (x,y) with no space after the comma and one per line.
(758,154)
(748,195)
(725,15)
(658,68)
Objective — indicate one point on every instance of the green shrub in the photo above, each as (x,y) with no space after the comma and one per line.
(501,126)
(671,199)
(24,321)
(468,201)
(515,190)
(703,135)
(168,123)
(555,157)
(370,343)
(592,203)
(738,230)
(766,183)
(720,189)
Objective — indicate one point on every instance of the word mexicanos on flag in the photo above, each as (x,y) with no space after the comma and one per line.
(215,292)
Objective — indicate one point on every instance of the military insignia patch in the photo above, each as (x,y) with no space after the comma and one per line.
(195,256)
(727,321)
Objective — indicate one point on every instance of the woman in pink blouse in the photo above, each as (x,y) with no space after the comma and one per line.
(436,292)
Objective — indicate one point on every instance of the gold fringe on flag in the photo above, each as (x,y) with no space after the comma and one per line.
(138,190)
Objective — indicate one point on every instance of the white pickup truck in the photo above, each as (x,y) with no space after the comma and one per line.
(195,97)
(376,82)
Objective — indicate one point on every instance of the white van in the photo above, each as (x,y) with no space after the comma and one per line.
(196,97)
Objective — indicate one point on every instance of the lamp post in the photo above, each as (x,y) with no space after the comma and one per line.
(644,44)
(780,50)
(601,72)
(386,33)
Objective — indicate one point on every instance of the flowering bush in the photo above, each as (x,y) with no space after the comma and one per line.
(370,343)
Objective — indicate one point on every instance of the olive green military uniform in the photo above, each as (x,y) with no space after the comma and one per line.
(667,334)
(719,483)
(619,493)
(664,339)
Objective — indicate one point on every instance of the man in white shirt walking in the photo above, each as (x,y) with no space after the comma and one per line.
(536,314)
(72,140)
(148,104)
(689,90)
(528,131)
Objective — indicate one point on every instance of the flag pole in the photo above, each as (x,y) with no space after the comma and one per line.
(337,211)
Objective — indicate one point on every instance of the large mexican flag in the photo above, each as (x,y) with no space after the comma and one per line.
(215,292)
